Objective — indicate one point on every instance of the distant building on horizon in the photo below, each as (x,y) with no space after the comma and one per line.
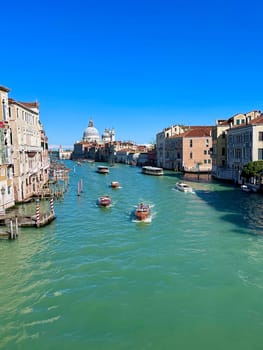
(64,154)
(91,134)
(92,146)
(107,149)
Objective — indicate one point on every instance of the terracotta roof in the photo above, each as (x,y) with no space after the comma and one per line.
(28,105)
(222,122)
(3,88)
(205,131)
(196,131)
(258,120)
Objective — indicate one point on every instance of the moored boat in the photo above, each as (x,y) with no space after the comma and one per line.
(115,184)
(151,170)
(183,187)
(142,211)
(102,169)
(104,201)
(245,188)
(249,188)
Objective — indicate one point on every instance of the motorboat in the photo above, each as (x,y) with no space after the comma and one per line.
(115,184)
(245,188)
(249,188)
(104,201)
(103,169)
(151,170)
(183,187)
(142,211)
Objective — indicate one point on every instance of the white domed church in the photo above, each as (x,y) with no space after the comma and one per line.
(92,146)
(91,134)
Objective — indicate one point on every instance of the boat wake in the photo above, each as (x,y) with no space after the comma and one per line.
(145,221)
(177,190)
(104,206)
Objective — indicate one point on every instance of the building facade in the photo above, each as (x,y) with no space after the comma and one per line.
(185,148)
(64,154)
(236,142)
(164,146)
(6,159)
(30,150)
(196,149)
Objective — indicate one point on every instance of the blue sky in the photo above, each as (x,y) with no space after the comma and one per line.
(136,65)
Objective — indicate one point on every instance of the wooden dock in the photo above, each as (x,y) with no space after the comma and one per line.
(54,189)
(31,221)
(10,224)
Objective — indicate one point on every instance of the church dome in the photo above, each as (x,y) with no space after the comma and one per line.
(106,133)
(91,134)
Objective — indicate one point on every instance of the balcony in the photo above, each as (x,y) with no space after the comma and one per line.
(25,148)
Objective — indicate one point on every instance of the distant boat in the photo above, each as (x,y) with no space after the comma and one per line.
(104,201)
(102,169)
(115,184)
(183,187)
(142,211)
(151,170)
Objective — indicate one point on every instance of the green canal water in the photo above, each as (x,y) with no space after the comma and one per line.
(94,279)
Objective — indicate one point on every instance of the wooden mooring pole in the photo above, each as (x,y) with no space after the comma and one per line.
(13,233)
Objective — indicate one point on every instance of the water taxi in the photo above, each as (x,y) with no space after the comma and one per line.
(142,211)
(183,187)
(102,169)
(115,184)
(104,201)
(151,170)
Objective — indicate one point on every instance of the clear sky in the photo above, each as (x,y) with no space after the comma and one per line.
(135,65)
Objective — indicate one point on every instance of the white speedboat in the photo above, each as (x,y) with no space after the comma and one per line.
(183,187)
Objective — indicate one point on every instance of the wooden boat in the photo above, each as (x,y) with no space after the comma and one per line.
(103,169)
(183,187)
(142,211)
(151,170)
(115,184)
(104,201)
